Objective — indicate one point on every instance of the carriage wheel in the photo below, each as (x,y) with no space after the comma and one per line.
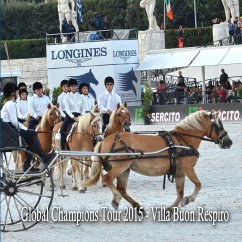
(25,197)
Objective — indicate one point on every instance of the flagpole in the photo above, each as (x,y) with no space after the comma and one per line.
(164,15)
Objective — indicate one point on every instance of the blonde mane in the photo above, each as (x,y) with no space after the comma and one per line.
(193,121)
(112,116)
(85,121)
(44,119)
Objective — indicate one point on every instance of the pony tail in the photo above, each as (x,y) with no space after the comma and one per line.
(96,168)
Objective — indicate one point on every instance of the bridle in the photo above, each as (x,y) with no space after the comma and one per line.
(54,121)
(93,135)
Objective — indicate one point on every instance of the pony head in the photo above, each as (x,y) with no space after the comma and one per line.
(217,131)
(121,116)
(91,123)
(210,124)
(51,116)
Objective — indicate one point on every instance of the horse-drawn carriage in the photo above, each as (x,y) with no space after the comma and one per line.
(26,197)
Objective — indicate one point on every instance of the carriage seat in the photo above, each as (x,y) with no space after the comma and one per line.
(9,137)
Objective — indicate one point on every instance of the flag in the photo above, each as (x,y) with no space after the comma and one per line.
(79,10)
(168,9)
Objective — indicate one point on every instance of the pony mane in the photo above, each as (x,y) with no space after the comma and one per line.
(44,119)
(85,121)
(112,116)
(193,121)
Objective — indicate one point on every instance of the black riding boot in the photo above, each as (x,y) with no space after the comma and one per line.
(27,164)
(63,142)
(47,158)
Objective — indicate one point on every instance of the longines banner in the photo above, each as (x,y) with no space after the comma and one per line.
(229,112)
(91,62)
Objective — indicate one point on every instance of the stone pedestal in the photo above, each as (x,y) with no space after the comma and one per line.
(150,40)
(220,31)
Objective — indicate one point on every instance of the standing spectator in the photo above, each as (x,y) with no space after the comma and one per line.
(180,88)
(71,31)
(180,33)
(223,77)
(98,21)
(88,98)
(231,31)
(209,90)
(108,101)
(37,105)
(61,98)
(106,26)
(161,89)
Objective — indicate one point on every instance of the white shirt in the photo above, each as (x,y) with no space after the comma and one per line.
(108,101)
(60,101)
(37,105)
(9,114)
(88,103)
(22,108)
(74,103)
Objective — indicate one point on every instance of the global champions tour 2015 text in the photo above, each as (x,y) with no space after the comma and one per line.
(128,214)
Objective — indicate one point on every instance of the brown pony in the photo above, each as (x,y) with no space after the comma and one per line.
(188,133)
(44,131)
(119,120)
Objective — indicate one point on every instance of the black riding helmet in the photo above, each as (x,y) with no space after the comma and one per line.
(37,85)
(72,82)
(83,85)
(108,79)
(64,82)
(22,85)
(9,88)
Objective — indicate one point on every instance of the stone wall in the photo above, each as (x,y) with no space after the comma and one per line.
(31,70)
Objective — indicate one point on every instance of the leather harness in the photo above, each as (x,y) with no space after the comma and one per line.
(173,154)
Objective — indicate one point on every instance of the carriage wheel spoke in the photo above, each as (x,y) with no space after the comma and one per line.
(33,193)
(3,182)
(24,202)
(8,211)
(18,212)
(30,183)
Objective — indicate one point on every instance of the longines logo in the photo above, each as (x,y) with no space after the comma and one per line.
(79,62)
(78,56)
(125,54)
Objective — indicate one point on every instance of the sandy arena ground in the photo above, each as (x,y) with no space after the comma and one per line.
(219,171)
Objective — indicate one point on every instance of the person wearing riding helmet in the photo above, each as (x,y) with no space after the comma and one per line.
(87,97)
(108,101)
(22,105)
(37,105)
(9,115)
(61,98)
(74,107)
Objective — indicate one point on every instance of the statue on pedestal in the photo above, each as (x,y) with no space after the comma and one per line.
(67,13)
(231,6)
(149,6)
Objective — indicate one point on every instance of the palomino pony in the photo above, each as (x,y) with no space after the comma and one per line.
(83,138)
(176,149)
(119,120)
(44,130)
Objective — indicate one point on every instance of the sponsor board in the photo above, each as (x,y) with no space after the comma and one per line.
(92,62)
(228,112)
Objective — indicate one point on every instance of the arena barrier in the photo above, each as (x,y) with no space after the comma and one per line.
(229,112)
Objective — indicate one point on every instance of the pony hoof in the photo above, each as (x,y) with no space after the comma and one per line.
(74,188)
(169,211)
(63,187)
(85,188)
(115,205)
(104,185)
(82,190)
(184,201)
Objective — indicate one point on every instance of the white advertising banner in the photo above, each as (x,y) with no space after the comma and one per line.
(91,62)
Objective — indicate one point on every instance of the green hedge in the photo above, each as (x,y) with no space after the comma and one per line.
(25,48)
(35,48)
